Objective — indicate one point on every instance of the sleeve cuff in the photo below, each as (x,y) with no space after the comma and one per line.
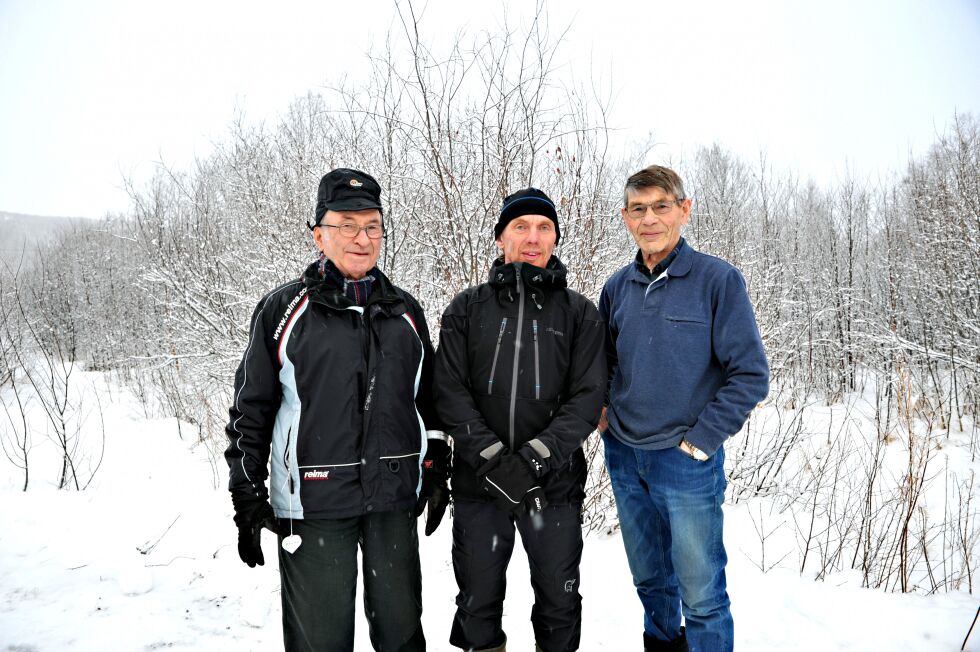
(709,445)
(491,451)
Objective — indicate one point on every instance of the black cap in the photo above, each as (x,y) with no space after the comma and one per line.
(345,189)
(529,201)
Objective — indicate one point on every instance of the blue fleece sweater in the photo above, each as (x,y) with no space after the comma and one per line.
(685,356)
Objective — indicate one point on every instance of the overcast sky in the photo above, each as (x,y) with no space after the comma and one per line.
(96,90)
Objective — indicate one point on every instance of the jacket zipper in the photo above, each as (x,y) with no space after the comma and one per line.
(285,460)
(359,323)
(537,365)
(367,322)
(517,353)
(493,367)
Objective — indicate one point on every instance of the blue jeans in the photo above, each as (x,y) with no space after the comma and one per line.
(670,514)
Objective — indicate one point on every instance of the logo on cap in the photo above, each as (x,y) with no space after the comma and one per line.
(356,183)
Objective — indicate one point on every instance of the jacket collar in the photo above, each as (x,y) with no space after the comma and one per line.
(552,277)
(326,290)
(537,282)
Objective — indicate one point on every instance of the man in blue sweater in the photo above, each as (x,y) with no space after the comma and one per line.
(686,368)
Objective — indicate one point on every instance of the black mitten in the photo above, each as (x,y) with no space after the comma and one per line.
(436,469)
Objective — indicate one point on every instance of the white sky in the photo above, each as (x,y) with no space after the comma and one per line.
(92,91)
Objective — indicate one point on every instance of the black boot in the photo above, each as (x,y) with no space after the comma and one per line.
(651,644)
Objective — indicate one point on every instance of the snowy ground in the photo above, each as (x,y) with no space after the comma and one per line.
(145,559)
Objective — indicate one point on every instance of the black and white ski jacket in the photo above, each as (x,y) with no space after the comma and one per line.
(521,361)
(335,398)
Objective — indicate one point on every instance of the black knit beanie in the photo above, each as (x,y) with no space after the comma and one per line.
(529,201)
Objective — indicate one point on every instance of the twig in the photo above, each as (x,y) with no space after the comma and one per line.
(971,630)
(171,561)
(145,550)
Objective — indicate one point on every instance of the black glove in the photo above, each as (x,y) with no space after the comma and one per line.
(511,481)
(436,467)
(252,513)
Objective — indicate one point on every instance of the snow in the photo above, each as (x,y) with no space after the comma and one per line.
(146,559)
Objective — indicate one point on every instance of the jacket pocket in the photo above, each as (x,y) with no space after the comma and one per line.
(400,476)
(326,487)
(684,320)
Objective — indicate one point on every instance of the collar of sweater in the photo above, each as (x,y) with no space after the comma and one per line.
(660,267)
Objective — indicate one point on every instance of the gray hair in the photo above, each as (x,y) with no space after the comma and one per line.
(655,176)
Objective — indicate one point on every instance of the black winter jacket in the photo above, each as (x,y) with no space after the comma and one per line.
(521,361)
(338,395)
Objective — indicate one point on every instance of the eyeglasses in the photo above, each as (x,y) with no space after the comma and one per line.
(348,230)
(659,208)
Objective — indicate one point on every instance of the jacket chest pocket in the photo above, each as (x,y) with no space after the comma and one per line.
(397,345)
(550,358)
(534,358)
(495,363)
(687,334)
(683,321)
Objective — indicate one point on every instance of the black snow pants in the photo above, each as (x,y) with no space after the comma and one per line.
(319,581)
(483,540)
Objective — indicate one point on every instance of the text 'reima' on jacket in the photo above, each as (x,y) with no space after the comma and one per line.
(335,398)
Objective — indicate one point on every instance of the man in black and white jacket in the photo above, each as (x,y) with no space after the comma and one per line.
(333,393)
(520,379)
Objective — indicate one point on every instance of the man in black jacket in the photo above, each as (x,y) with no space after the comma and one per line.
(333,393)
(520,378)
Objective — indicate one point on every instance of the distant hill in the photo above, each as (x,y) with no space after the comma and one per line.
(20,234)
